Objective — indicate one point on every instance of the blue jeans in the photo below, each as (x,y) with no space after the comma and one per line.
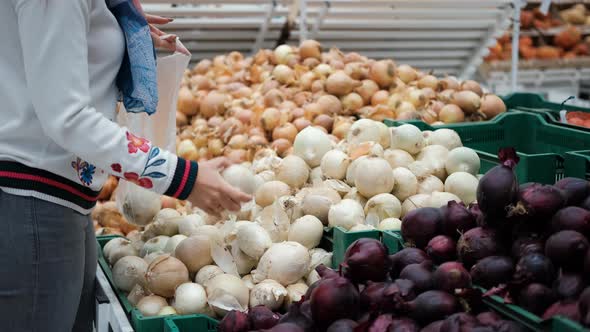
(47,267)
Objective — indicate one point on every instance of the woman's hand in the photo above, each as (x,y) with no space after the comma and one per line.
(161,40)
(211,193)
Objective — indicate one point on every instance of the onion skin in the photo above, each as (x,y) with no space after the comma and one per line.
(527,245)
(420,225)
(261,317)
(567,249)
(538,201)
(575,190)
(450,276)
(492,271)
(568,309)
(498,188)
(366,259)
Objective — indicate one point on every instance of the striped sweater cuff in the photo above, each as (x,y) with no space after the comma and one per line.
(184,179)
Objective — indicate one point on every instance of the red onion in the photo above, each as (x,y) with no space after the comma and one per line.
(403,324)
(527,245)
(366,259)
(571,218)
(332,300)
(405,257)
(343,325)
(379,297)
(535,268)
(538,201)
(459,322)
(568,309)
(587,265)
(536,298)
(456,220)
(488,318)
(299,314)
(421,225)
(441,249)
(586,203)
(567,249)
(568,286)
(234,321)
(326,272)
(498,188)
(478,243)
(477,214)
(433,327)
(431,306)
(584,306)
(420,274)
(492,271)
(373,298)
(381,324)
(287,327)
(261,317)
(450,276)
(401,290)
(575,190)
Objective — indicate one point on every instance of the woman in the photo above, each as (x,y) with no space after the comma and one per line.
(58,144)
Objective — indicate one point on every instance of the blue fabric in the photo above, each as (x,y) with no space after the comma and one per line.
(137,76)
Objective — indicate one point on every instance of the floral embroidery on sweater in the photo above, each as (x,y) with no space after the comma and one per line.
(137,143)
(84,170)
(145,178)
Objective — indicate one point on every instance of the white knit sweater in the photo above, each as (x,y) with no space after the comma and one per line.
(58,141)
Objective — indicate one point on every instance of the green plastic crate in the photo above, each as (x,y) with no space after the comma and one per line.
(138,321)
(394,242)
(535,103)
(338,239)
(541,146)
(190,323)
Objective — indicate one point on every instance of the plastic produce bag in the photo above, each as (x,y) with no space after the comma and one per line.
(139,205)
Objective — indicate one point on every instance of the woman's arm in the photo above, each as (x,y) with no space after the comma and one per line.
(55,54)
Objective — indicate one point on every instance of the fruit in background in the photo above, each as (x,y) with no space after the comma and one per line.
(526,19)
(528,52)
(574,15)
(548,53)
(581,49)
(568,37)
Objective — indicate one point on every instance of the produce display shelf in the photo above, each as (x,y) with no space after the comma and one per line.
(447,36)
(535,103)
(394,242)
(541,146)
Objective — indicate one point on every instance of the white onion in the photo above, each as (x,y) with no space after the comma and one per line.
(194,252)
(227,292)
(240,177)
(283,53)
(317,202)
(346,214)
(149,258)
(356,196)
(381,207)
(407,137)
(420,169)
(285,262)
(406,183)
(136,294)
(320,256)
(247,279)
(293,171)
(445,137)
(253,240)
(375,177)
(361,227)
(167,311)
(190,298)
(151,305)
(334,164)
(435,156)
(129,271)
(414,202)
(275,221)
(397,158)
(164,223)
(351,171)
(270,191)
(364,130)
(139,205)
(391,224)
(307,230)
(438,199)
(430,184)
(464,185)
(188,224)
(294,293)
(207,273)
(312,277)
(384,135)
(462,159)
(118,248)
(154,245)
(311,144)
(268,293)
(316,175)
(173,243)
